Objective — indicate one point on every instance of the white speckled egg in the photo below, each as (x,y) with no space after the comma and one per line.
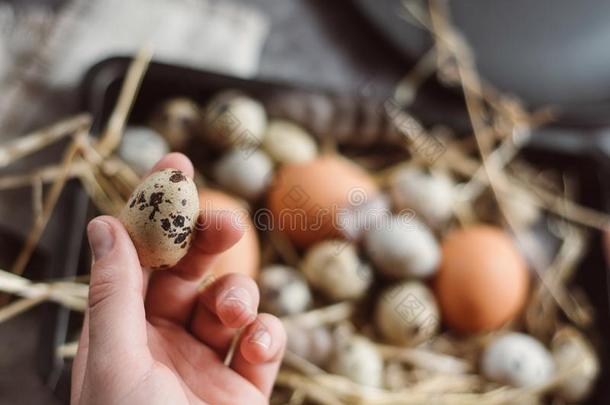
(286,142)
(284,290)
(359,360)
(517,359)
(141,148)
(575,357)
(246,173)
(402,247)
(430,195)
(333,267)
(232,119)
(313,344)
(178,120)
(160,217)
(355,220)
(407,313)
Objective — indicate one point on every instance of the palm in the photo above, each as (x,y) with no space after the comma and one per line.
(193,371)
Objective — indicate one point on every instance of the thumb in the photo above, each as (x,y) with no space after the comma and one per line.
(117,322)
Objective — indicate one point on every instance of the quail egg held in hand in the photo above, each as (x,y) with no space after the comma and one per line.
(160,217)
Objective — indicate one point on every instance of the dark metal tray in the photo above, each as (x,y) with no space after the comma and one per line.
(100,90)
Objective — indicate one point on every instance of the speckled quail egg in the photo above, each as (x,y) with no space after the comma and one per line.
(313,344)
(246,173)
(356,219)
(517,359)
(575,357)
(407,313)
(430,195)
(334,268)
(359,360)
(160,217)
(286,142)
(232,119)
(402,247)
(178,120)
(284,290)
(141,148)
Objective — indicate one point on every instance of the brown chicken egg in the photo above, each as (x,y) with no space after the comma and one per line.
(306,199)
(244,256)
(482,281)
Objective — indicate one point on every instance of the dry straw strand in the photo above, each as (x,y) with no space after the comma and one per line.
(28,144)
(111,137)
(48,207)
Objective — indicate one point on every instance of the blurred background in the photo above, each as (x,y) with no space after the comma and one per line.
(546,52)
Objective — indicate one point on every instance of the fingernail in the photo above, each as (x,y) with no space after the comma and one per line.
(101,238)
(235,305)
(261,337)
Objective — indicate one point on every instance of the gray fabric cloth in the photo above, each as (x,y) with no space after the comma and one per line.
(43,51)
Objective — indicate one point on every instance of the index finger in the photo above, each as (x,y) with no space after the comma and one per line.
(172,294)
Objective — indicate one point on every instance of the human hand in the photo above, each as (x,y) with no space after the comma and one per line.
(154,338)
